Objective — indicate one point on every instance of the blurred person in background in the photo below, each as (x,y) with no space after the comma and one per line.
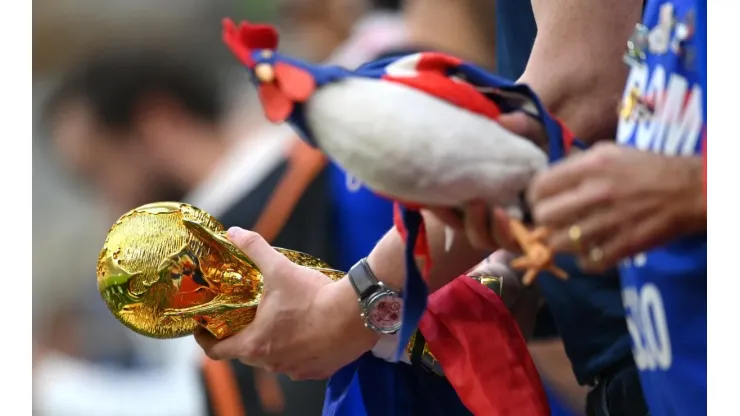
(381,27)
(312,30)
(146,124)
(462,28)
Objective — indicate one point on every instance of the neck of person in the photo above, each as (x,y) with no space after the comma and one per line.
(460,27)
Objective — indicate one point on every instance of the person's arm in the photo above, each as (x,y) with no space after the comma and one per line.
(576,63)
(300,348)
(694,181)
(576,69)
(465,28)
(557,372)
(387,261)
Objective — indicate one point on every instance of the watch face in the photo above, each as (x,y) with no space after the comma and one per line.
(385,313)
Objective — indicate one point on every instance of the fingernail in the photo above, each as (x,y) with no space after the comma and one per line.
(234,232)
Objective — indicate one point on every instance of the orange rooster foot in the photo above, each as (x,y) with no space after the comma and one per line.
(537,255)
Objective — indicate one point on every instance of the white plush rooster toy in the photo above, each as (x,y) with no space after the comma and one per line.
(421,129)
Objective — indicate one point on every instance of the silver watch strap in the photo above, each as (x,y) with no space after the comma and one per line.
(362,278)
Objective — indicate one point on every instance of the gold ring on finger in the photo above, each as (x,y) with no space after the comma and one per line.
(575,234)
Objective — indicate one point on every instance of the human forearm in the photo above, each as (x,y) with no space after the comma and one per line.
(689,174)
(387,258)
(576,62)
(556,371)
(462,27)
(387,263)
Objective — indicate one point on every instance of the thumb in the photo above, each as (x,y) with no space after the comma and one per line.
(524,125)
(266,258)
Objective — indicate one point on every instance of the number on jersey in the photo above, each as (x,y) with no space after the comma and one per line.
(647,325)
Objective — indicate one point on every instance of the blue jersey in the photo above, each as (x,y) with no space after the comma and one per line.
(665,290)
(516,30)
(360,218)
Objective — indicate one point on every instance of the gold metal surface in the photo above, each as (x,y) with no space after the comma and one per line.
(629,104)
(167,269)
(495,283)
(428,360)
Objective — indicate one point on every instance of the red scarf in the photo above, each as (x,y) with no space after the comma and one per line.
(479,346)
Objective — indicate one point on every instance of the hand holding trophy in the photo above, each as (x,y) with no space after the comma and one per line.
(167,269)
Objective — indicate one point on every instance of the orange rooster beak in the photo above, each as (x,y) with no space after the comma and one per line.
(281,86)
(264,73)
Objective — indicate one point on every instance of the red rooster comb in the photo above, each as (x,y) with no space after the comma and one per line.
(246,38)
(281,85)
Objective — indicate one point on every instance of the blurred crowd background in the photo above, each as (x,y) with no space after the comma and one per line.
(65,33)
(85,362)
(72,217)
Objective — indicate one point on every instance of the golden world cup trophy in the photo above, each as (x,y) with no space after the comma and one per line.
(167,269)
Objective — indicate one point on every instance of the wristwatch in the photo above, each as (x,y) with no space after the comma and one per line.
(381,306)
